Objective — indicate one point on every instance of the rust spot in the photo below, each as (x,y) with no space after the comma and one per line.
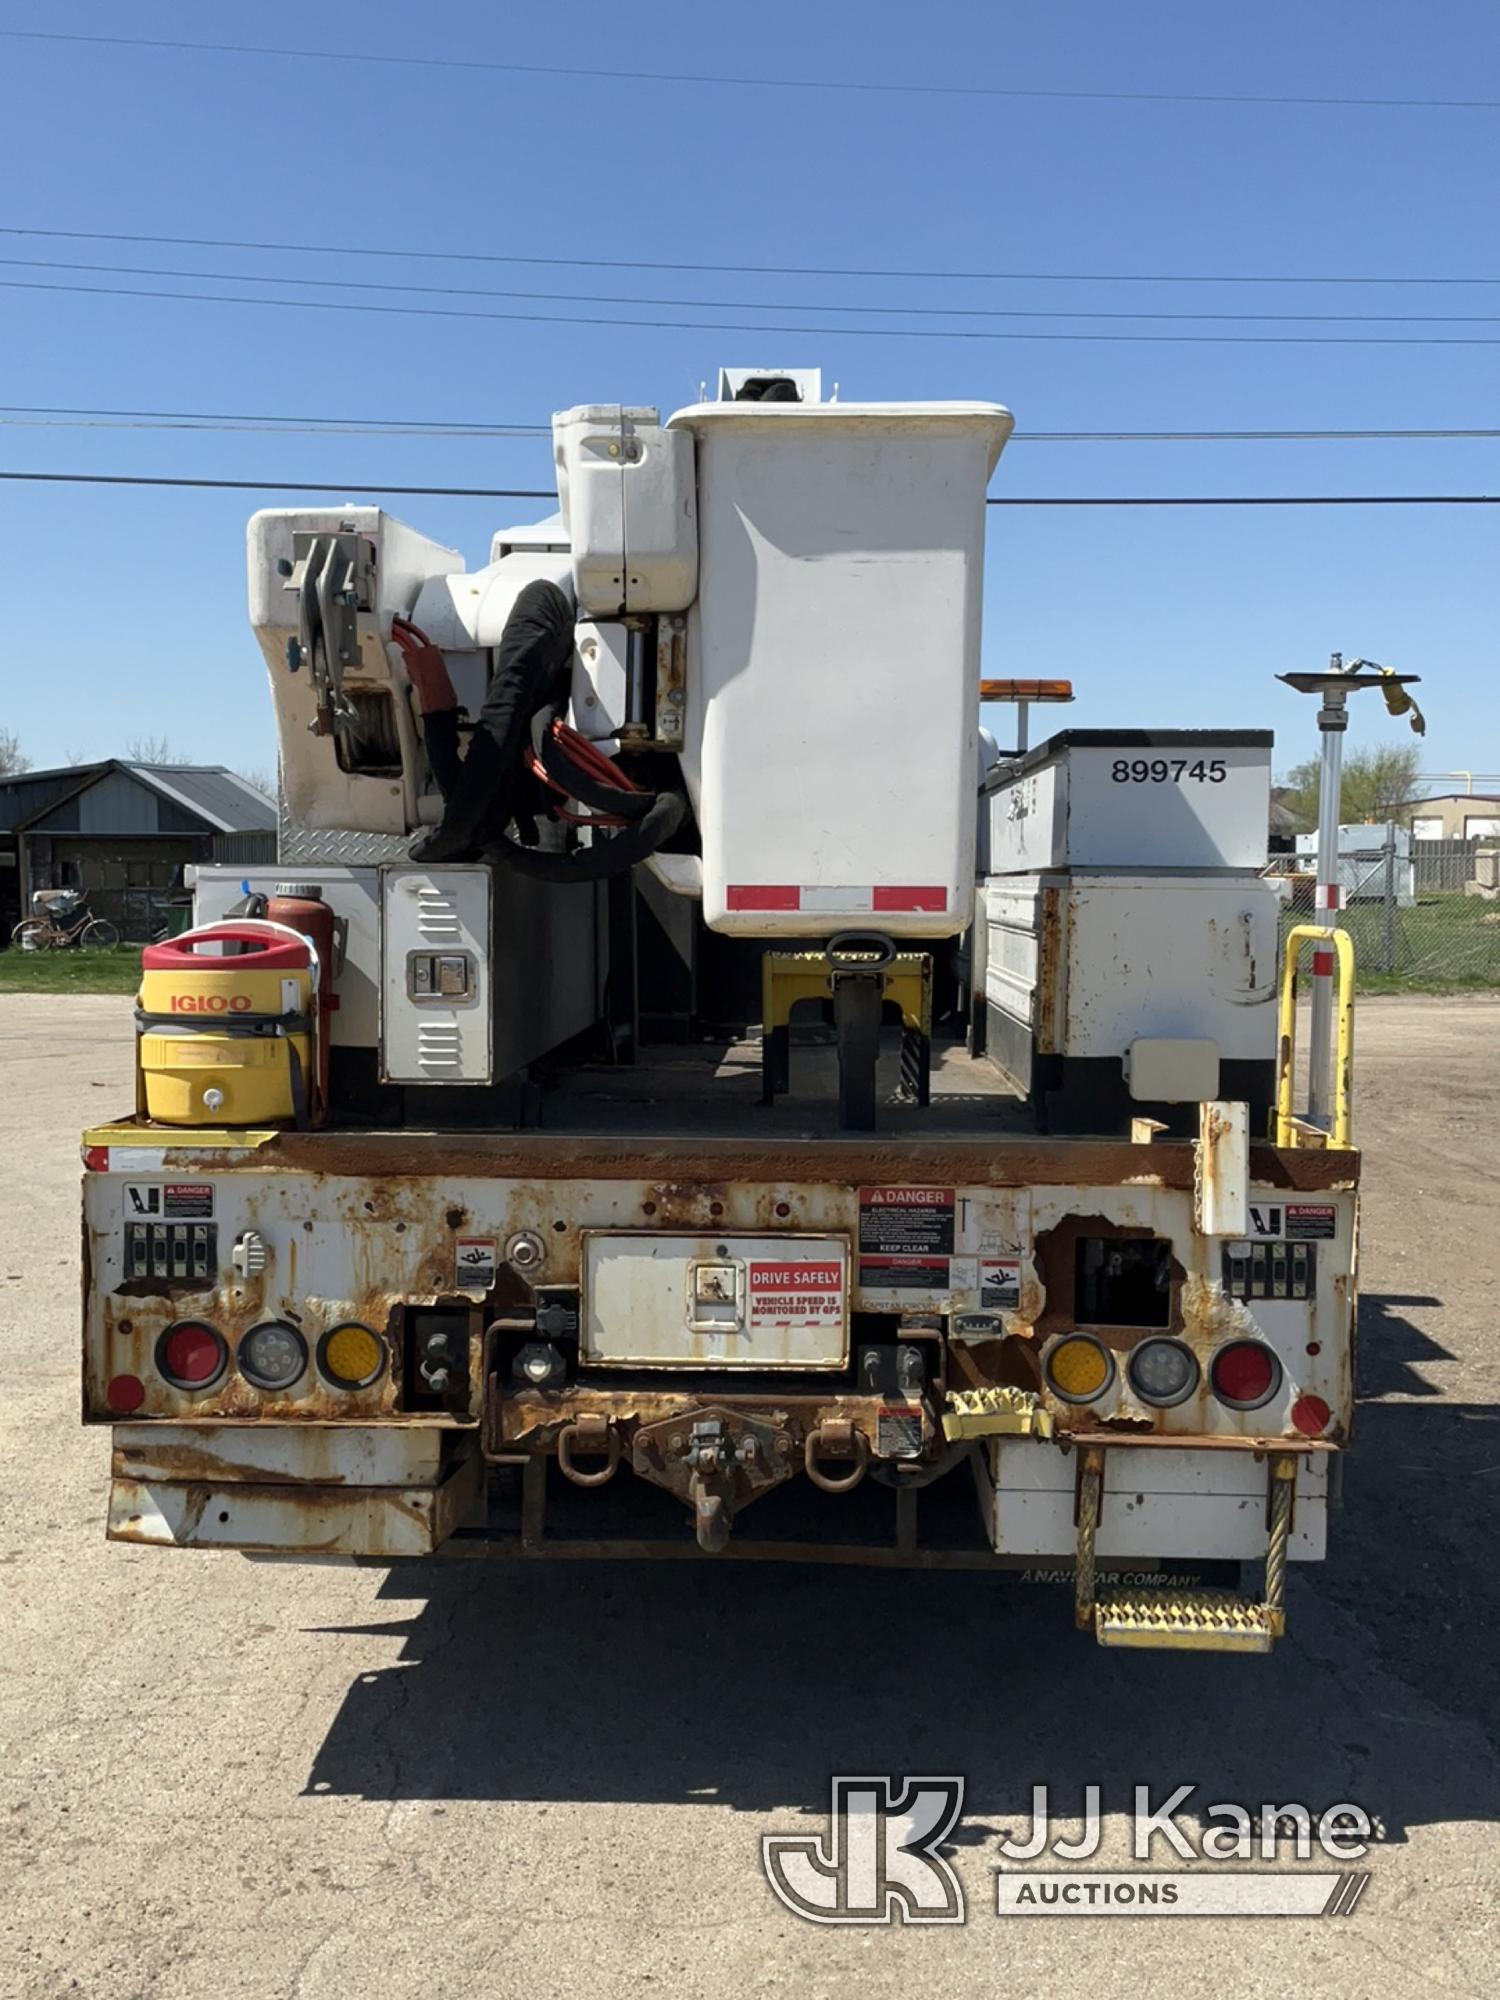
(1056,1261)
(685,1169)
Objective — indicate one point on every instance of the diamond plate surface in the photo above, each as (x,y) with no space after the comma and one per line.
(304,844)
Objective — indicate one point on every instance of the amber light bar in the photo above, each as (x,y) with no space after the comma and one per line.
(1025,690)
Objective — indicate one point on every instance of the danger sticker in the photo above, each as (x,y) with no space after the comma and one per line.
(904,1274)
(906,1221)
(999,1282)
(795,1294)
(1297,1222)
(474,1262)
(173,1201)
(1310,1219)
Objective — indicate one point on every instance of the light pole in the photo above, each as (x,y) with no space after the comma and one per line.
(1334,687)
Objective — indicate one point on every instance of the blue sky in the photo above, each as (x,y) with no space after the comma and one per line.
(125,612)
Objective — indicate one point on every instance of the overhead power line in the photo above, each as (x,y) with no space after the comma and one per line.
(740,326)
(83,417)
(745,305)
(745,270)
(345,487)
(347,57)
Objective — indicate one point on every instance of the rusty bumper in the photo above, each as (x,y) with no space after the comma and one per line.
(299,1490)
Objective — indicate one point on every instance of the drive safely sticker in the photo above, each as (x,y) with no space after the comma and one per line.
(797,1294)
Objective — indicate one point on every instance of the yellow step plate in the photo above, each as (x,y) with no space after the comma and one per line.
(1207,1621)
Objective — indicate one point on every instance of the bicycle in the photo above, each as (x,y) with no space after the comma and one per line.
(56,933)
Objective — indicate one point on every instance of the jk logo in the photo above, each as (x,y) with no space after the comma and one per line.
(879,1863)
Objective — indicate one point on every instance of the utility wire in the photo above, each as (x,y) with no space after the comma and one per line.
(739,270)
(745,305)
(348,486)
(740,326)
(348,56)
(66,416)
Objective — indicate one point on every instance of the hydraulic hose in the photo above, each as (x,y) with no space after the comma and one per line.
(606,858)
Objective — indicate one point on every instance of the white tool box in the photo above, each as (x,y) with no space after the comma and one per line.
(1141,799)
(1080,967)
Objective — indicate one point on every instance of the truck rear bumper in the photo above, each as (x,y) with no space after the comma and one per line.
(382,1491)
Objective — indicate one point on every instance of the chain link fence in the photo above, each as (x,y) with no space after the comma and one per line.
(1423,914)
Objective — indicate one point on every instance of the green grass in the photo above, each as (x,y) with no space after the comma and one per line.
(117,970)
(1443,944)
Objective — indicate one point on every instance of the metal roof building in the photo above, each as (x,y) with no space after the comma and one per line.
(123,832)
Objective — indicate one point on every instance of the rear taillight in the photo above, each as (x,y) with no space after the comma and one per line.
(191,1355)
(273,1355)
(1163,1373)
(1245,1374)
(1311,1415)
(1079,1368)
(125,1394)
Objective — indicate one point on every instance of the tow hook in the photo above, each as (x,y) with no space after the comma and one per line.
(590,1436)
(836,1437)
(716,1461)
(710,1455)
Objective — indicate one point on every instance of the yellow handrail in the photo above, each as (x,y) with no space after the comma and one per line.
(1288,1132)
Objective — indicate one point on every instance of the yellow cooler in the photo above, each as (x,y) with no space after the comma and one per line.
(226,1025)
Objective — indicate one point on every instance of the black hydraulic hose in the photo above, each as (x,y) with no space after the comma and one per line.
(610,855)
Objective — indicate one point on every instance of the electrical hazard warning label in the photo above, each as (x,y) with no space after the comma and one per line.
(906,1221)
(794,1294)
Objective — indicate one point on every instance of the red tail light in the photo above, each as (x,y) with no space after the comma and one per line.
(125,1394)
(1245,1374)
(191,1355)
(1311,1415)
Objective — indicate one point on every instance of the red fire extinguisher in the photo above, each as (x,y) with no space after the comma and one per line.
(300,905)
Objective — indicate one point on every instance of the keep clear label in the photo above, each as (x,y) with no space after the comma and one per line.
(906,1238)
(795,1294)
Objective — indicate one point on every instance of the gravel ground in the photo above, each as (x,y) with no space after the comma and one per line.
(226,1778)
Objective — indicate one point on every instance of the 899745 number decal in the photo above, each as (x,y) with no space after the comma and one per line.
(1163,770)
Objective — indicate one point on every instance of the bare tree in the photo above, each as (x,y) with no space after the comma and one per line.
(262,779)
(150,750)
(12,757)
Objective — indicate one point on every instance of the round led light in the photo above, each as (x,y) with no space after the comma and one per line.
(1163,1372)
(273,1356)
(1245,1374)
(191,1355)
(1079,1368)
(351,1356)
